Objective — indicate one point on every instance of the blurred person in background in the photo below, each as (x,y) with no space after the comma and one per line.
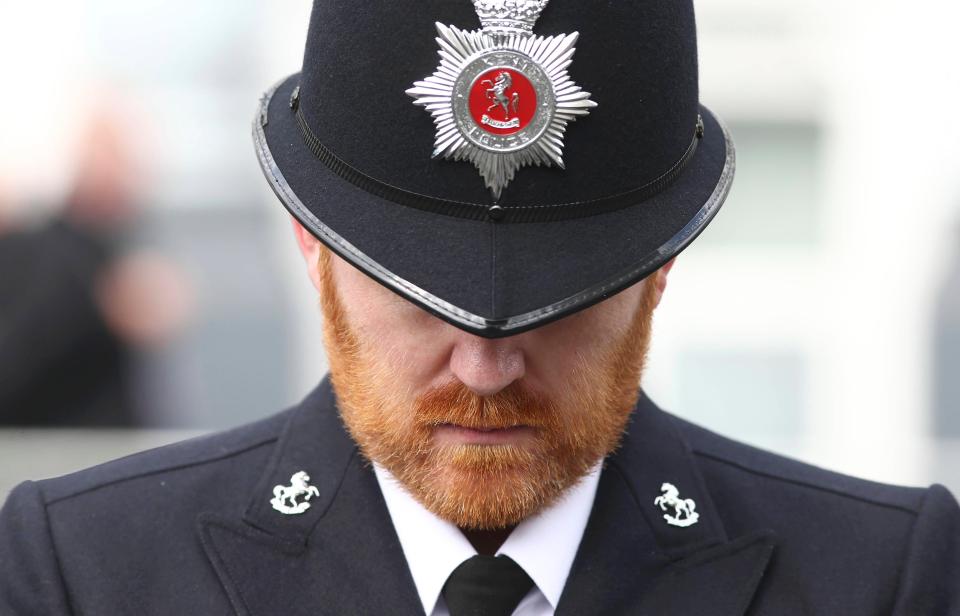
(481,445)
(77,300)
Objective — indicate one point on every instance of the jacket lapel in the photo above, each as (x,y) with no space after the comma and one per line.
(721,580)
(341,556)
(631,561)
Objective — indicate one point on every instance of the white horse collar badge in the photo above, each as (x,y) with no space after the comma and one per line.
(295,498)
(684,510)
(501,97)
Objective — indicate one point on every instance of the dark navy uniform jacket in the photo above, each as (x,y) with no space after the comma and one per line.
(189,529)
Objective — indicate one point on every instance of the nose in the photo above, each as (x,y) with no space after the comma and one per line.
(486,366)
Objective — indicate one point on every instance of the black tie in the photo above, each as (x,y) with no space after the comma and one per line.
(486,586)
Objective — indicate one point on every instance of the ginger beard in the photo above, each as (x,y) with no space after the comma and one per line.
(483,487)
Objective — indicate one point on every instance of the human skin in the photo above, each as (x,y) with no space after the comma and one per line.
(432,403)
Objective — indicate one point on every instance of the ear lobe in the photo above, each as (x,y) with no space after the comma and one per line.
(306,241)
(310,249)
(661,279)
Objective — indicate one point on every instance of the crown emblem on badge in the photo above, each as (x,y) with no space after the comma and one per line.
(501,97)
(509,16)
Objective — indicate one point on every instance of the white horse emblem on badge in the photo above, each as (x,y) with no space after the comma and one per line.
(684,509)
(285,498)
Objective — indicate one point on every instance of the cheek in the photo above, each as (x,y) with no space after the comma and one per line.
(406,341)
(581,340)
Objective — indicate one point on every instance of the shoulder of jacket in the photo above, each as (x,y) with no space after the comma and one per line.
(219,447)
(726,455)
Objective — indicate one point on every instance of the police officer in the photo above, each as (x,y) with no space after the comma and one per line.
(489,204)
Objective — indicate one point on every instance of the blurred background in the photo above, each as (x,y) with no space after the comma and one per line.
(150,288)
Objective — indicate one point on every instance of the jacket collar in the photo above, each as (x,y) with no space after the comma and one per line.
(329,559)
(314,441)
(695,569)
(340,556)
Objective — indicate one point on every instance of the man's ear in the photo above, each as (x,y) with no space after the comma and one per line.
(661,279)
(310,248)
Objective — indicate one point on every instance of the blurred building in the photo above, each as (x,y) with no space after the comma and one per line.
(946,356)
(802,319)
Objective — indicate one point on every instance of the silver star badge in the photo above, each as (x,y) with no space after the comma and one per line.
(295,498)
(684,510)
(501,97)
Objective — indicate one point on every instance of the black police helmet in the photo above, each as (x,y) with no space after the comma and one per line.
(594,167)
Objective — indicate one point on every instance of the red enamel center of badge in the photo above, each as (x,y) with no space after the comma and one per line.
(503,101)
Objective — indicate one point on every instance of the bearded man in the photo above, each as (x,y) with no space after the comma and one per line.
(487,284)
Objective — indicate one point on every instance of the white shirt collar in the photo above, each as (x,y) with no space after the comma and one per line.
(543,545)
